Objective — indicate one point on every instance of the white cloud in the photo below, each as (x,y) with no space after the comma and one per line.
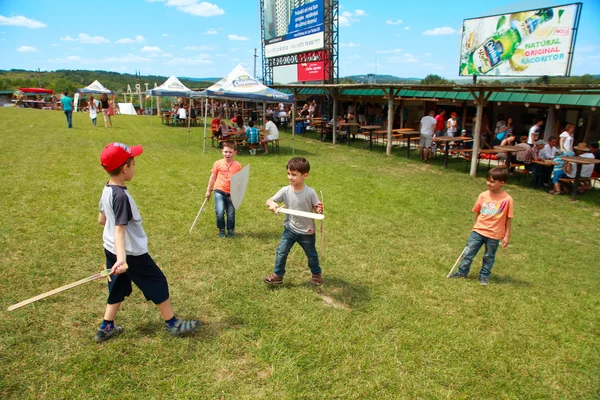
(587,48)
(354,57)
(211,31)
(433,66)
(445,30)
(351,44)
(403,59)
(26,49)
(389,51)
(407,28)
(347,17)
(199,48)
(199,59)
(194,7)
(390,22)
(151,49)
(236,37)
(165,35)
(427,54)
(55,44)
(343,21)
(235,49)
(129,58)
(360,13)
(21,21)
(85,38)
(138,39)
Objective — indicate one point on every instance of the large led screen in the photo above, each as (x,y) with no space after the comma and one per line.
(527,43)
(292,26)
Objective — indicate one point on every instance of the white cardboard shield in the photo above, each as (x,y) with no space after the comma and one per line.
(238,185)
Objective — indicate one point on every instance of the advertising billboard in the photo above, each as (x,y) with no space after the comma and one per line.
(292,26)
(527,43)
(311,71)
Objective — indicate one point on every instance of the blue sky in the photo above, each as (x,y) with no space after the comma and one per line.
(207,39)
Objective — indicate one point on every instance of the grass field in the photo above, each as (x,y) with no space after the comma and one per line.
(385,324)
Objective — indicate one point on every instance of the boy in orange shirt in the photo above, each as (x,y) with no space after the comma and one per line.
(494,209)
(222,171)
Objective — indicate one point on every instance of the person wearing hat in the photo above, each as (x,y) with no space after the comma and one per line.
(581,150)
(126,247)
(452,125)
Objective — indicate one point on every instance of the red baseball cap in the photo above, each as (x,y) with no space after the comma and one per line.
(115,154)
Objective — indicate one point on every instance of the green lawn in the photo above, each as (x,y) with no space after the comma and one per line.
(386,323)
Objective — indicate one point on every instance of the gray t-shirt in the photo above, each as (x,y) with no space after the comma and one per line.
(304,200)
(119,209)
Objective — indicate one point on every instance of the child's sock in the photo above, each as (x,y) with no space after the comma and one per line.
(109,324)
(170,323)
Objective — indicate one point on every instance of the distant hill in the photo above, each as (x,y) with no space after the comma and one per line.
(213,80)
(71,80)
(380,79)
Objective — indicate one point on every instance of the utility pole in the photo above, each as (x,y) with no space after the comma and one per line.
(255,56)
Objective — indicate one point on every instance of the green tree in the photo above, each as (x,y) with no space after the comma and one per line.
(432,79)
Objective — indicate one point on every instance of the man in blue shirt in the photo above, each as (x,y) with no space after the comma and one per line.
(67,104)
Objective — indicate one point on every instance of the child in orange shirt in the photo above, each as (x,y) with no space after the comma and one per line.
(222,171)
(494,209)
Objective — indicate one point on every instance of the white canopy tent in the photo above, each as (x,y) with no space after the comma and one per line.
(171,87)
(93,88)
(240,85)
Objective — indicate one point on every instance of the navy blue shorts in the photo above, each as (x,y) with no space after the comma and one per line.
(143,271)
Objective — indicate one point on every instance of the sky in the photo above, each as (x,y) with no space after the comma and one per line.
(201,39)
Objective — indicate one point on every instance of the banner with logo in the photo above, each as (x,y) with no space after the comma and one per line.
(526,43)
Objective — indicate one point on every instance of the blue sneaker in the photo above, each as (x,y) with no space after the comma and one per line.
(222,234)
(182,327)
(457,275)
(484,281)
(231,234)
(102,335)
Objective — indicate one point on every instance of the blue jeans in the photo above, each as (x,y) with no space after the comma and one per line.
(474,243)
(69,114)
(224,205)
(307,242)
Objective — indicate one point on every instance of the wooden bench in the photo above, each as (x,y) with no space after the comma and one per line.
(239,141)
(586,183)
(274,144)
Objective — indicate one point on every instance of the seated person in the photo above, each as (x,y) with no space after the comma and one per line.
(225,130)
(540,176)
(520,155)
(507,141)
(181,114)
(596,152)
(271,133)
(215,125)
(527,157)
(252,137)
(237,122)
(586,170)
(559,172)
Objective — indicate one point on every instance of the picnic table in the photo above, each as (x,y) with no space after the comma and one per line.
(508,150)
(446,140)
(370,129)
(349,125)
(580,161)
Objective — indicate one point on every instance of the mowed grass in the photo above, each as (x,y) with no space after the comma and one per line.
(386,323)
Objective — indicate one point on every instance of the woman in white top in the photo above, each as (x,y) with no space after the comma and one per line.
(93,109)
(566,138)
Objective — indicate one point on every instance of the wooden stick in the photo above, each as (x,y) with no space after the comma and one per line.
(322,226)
(99,275)
(299,213)
(205,200)
(457,260)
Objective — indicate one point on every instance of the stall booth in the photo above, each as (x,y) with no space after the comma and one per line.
(93,88)
(34,98)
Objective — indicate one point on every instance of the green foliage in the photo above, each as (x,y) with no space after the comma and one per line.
(386,324)
(432,79)
(72,80)
(586,79)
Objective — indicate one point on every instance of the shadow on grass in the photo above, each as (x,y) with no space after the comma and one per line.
(264,235)
(207,329)
(334,291)
(507,280)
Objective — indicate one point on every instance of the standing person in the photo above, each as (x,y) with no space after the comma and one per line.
(215,125)
(271,133)
(93,109)
(67,104)
(301,230)
(252,137)
(126,247)
(534,133)
(452,125)
(104,106)
(440,123)
(494,214)
(566,138)
(427,126)
(219,181)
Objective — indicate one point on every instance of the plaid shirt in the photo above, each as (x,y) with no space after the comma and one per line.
(252,135)
(531,155)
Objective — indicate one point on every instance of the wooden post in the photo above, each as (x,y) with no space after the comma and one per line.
(335,110)
(390,121)
(479,100)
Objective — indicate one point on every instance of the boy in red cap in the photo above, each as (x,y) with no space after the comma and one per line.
(126,247)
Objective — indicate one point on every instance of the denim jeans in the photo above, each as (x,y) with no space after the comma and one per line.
(307,242)
(224,205)
(474,243)
(69,114)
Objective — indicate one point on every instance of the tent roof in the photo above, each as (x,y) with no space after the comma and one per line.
(240,85)
(36,90)
(94,87)
(171,87)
